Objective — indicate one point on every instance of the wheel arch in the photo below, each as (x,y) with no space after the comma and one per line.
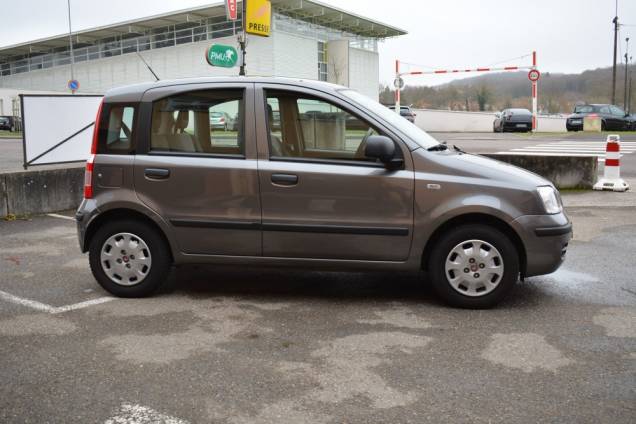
(124,213)
(475,218)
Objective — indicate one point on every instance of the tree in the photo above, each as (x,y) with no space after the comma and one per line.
(483,96)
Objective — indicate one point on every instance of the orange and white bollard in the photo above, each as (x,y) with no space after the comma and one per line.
(612,175)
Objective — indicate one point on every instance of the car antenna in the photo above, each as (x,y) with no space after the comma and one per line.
(148,66)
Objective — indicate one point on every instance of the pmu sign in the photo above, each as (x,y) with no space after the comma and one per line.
(259,17)
(231,10)
(221,55)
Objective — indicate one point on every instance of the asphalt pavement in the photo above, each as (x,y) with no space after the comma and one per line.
(237,345)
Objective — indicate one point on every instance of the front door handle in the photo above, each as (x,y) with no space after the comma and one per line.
(157,173)
(285,179)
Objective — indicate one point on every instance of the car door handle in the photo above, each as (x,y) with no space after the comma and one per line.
(157,173)
(285,179)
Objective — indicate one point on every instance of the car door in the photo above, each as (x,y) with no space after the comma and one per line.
(320,197)
(203,181)
(619,118)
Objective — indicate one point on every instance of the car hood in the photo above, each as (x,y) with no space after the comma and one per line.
(477,166)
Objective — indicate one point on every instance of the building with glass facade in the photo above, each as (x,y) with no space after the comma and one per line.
(309,40)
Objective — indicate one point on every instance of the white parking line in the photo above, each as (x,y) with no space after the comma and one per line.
(54,215)
(43,307)
(137,414)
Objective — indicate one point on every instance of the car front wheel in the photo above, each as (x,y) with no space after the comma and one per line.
(129,258)
(473,266)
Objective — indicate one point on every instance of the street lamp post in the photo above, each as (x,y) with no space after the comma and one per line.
(70,40)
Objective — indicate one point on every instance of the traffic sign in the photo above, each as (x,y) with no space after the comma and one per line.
(534,75)
(398,83)
(231,10)
(259,17)
(73,85)
(222,56)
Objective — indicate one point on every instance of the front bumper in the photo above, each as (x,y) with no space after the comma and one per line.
(545,238)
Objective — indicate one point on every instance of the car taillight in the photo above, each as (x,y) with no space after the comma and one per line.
(222,120)
(88,177)
(90,163)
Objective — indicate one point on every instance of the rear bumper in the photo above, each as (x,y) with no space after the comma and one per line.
(517,126)
(545,238)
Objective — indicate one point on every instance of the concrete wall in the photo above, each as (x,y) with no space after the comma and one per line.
(451,121)
(36,192)
(562,171)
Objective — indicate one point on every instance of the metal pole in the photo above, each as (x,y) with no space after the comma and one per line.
(626,66)
(534,93)
(70,40)
(614,65)
(397,87)
(243,39)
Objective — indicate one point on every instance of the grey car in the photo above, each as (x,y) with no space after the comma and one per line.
(354,187)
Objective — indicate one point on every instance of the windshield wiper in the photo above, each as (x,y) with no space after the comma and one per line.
(438,148)
(458,149)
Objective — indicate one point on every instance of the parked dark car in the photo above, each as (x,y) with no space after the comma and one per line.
(406,112)
(9,123)
(613,118)
(311,195)
(513,120)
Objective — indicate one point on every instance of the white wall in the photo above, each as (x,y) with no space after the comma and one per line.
(364,72)
(296,57)
(185,60)
(282,54)
(451,121)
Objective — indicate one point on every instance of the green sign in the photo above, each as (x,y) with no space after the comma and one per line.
(223,56)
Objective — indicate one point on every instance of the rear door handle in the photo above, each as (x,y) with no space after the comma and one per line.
(157,173)
(285,179)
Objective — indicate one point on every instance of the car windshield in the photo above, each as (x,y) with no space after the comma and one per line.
(3,119)
(216,114)
(413,132)
(584,109)
(520,111)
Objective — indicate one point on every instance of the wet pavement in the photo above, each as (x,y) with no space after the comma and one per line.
(232,345)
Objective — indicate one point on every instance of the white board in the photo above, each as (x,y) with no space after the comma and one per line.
(49,120)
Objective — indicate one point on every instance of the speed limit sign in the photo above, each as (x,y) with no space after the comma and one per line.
(534,75)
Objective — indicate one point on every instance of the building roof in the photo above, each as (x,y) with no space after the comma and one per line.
(310,11)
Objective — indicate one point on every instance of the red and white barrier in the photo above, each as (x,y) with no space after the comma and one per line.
(612,175)
(399,82)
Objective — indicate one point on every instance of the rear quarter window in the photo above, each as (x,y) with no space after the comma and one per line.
(116,131)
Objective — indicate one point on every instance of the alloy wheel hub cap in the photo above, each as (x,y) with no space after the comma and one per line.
(474,268)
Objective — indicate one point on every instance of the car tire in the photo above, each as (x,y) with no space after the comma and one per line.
(473,289)
(138,238)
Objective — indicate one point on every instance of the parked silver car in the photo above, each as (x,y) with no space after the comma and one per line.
(354,187)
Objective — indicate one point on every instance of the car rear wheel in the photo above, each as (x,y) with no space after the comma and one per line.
(473,266)
(128,258)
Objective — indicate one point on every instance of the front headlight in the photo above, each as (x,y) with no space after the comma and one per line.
(550,199)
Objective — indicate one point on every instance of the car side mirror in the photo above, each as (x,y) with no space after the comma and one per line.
(382,148)
(497,115)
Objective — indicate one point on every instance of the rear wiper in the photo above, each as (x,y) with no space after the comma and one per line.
(438,148)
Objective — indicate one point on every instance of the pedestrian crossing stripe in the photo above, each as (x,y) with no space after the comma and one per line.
(571,148)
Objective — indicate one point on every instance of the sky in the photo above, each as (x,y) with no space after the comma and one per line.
(569,36)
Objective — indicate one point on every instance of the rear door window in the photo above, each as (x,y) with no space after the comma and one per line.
(201,122)
(116,133)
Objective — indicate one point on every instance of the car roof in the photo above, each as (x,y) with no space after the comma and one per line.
(134,92)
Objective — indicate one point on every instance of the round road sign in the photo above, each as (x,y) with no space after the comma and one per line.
(398,83)
(534,75)
(73,85)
